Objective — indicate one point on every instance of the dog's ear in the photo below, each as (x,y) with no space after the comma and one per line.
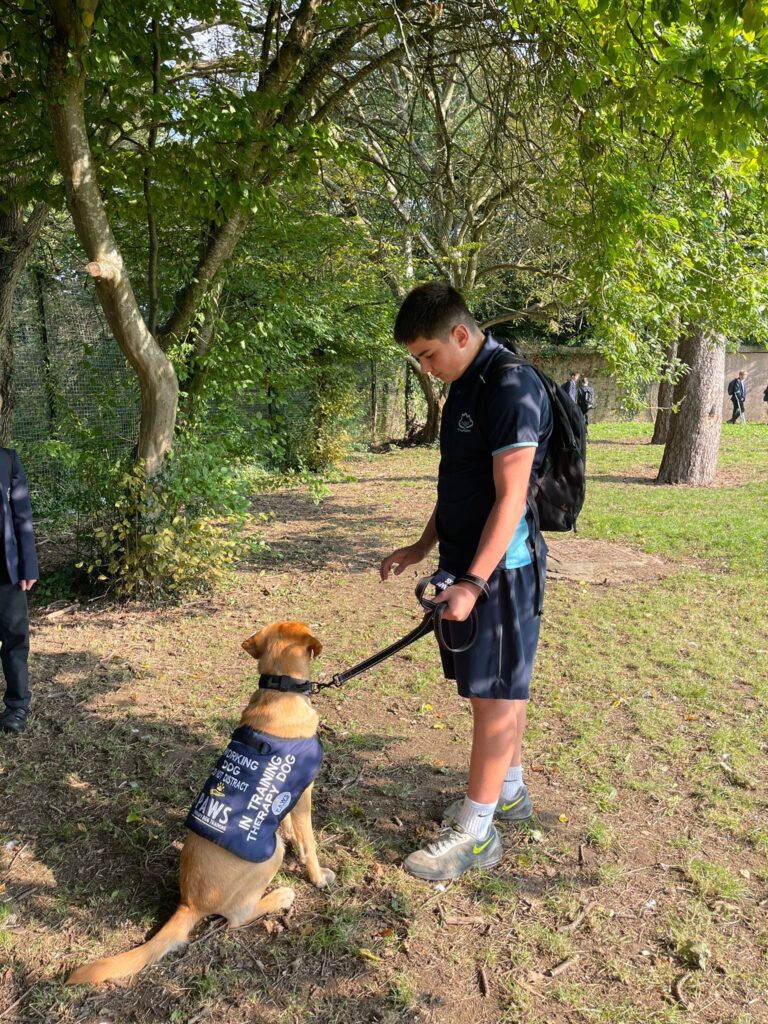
(255,644)
(314,646)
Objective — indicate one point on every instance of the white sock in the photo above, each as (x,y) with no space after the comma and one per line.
(513,782)
(476,818)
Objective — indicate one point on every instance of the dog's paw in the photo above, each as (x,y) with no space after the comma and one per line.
(327,877)
(283,899)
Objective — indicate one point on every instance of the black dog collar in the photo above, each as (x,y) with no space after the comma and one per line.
(285,684)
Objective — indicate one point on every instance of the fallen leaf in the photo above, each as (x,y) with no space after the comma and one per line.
(368,954)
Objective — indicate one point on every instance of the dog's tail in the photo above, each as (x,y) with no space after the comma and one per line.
(174,933)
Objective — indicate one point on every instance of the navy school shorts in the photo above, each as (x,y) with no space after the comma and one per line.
(500,662)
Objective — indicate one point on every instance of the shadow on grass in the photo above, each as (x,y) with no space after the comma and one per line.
(637,442)
(618,478)
(333,533)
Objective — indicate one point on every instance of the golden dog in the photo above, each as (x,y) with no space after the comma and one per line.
(211,879)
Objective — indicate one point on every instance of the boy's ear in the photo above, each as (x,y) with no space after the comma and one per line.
(255,644)
(461,335)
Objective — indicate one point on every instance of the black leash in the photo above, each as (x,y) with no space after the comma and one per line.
(432,621)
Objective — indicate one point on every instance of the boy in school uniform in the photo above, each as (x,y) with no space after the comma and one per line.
(18,574)
(493,438)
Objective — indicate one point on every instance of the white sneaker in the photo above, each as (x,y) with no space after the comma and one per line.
(452,853)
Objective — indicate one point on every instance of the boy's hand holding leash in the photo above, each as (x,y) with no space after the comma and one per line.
(461,597)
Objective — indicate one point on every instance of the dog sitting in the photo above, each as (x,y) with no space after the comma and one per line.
(232,851)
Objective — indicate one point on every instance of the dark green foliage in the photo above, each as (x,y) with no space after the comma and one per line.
(175,534)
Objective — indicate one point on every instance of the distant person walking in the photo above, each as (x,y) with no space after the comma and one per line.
(737,390)
(585,398)
(765,399)
(571,386)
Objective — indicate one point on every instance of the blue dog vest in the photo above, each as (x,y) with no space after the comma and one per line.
(256,782)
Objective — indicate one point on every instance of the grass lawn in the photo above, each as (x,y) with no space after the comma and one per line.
(636,895)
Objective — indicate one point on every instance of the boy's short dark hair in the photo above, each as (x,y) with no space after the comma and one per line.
(430,311)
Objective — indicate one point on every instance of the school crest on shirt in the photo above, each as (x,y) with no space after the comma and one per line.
(465,423)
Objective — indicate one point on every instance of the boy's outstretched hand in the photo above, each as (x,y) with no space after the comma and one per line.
(401,559)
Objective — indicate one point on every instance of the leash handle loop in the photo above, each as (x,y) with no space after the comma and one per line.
(440,634)
(421,586)
(437,608)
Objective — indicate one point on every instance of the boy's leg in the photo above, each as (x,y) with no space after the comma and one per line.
(472,841)
(14,636)
(514,802)
(494,674)
(477,771)
(497,737)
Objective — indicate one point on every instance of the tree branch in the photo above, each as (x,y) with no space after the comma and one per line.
(224,238)
(348,85)
(513,315)
(526,267)
(66,101)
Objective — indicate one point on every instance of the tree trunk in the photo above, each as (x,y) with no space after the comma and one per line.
(664,403)
(408,396)
(374,402)
(690,455)
(435,397)
(17,239)
(157,377)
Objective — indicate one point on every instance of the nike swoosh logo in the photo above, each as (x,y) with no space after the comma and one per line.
(508,807)
(479,849)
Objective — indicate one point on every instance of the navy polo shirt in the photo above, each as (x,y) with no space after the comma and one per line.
(254,784)
(515,413)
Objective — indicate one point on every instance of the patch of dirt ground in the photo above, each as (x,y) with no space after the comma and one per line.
(598,561)
(132,706)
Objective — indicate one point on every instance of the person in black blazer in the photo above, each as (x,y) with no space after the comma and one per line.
(571,386)
(18,574)
(737,390)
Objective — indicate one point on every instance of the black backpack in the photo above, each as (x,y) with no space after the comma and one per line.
(557,495)
(732,387)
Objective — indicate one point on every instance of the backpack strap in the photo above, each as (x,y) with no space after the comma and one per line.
(508,360)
